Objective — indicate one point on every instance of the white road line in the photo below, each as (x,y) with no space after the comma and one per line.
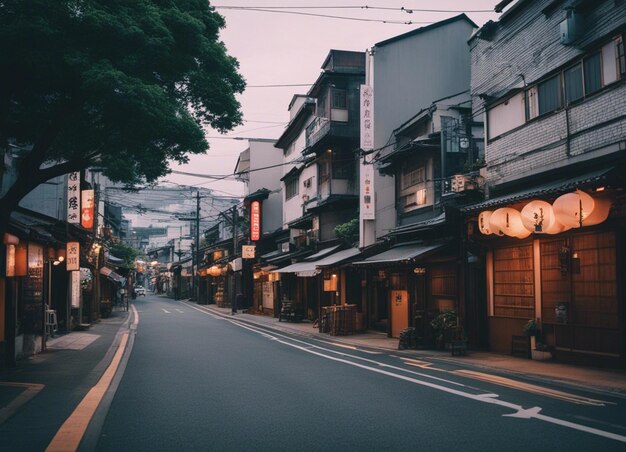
(520,411)
(180,310)
(166,311)
(135,315)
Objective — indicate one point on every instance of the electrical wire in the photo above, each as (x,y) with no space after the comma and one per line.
(386,8)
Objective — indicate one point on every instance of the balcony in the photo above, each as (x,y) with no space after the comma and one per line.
(323,131)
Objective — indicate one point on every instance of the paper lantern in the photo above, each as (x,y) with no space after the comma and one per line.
(214,270)
(508,221)
(538,216)
(483,222)
(579,209)
(601,209)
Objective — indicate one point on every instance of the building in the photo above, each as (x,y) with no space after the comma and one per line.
(424,164)
(549,78)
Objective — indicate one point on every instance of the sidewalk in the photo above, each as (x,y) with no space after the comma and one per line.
(59,378)
(613,381)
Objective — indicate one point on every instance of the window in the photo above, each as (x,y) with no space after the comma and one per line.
(573,84)
(593,73)
(549,93)
(321,107)
(291,188)
(621,58)
(343,165)
(339,99)
(413,175)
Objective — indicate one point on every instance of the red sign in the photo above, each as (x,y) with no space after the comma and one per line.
(255,220)
(87,208)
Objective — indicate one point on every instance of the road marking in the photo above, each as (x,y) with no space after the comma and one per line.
(30,391)
(337,344)
(166,311)
(493,399)
(180,310)
(534,389)
(136,315)
(73,429)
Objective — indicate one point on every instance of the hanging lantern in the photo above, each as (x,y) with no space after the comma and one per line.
(538,216)
(483,222)
(601,209)
(574,209)
(214,271)
(508,221)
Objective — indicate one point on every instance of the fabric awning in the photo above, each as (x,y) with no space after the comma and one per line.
(112,276)
(310,268)
(402,253)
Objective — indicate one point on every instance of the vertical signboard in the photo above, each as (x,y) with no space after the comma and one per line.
(10,261)
(87,209)
(367,192)
(255,220)
(367,118)
(72,256)
(75,294)
(73,199)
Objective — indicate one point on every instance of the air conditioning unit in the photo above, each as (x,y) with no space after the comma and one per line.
(572,27)
(307,183)
(284,247)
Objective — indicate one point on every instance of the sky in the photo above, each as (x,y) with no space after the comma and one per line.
(288,49)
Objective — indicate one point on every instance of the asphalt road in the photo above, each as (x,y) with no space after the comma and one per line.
(197,381)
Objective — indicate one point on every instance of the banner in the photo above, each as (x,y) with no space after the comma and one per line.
(75,292)
(367,192)
(73,200)
(87,209)
(367,118)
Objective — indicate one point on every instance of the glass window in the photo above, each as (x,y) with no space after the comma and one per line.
(413,175)
(621,58)
(291,188)
(339,99)
(573,83)
(593,73)
(549,95)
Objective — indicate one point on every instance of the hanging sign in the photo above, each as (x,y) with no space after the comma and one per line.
(247,251)
(86,217)
(73,199)
(367,117)
(255,220)
(75,293)
(10,261)
(367,192)
(72,255)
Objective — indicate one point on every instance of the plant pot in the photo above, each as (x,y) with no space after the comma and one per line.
(539,355)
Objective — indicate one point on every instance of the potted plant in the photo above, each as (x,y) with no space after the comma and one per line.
(444,325)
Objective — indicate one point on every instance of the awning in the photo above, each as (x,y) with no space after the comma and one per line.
(310,268)
(320,254)
(402,253)
(112,276)
(549,189)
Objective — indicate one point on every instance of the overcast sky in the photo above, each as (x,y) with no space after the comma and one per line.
(286,49)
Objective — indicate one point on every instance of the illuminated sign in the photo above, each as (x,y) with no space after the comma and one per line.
(255,220)
(10,261)
(247,251)
(73,198)
(86,216)
(72,256)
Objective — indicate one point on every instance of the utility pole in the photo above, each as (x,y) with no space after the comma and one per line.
(195,267)
(235,245)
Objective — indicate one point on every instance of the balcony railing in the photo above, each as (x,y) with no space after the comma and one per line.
(316,130)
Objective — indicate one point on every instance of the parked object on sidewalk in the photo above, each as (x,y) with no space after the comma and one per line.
(289,312)
(408,339)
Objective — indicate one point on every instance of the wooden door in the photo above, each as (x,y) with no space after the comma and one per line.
(399,311)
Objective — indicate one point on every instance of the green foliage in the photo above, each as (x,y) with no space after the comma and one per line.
(125,252)
(531,328)
(126,86)
(349,232)
(445,321)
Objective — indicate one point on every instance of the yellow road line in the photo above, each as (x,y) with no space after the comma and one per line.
(71,432)
(507,382)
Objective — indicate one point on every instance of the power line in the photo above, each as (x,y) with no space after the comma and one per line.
(386,8)
(276,86)
(329,16)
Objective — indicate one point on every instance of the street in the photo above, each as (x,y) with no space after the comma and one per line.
(198,381)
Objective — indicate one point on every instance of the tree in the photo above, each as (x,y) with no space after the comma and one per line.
(127,253)
(348,232)
(125,86)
